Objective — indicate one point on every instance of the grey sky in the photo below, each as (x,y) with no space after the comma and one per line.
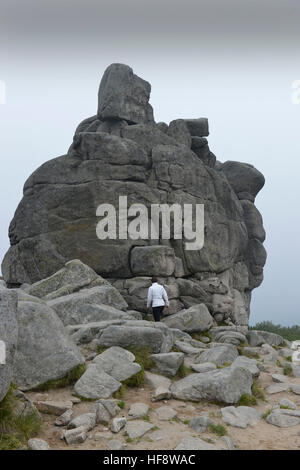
(231,60)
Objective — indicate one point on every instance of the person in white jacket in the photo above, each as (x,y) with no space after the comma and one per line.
(157,299)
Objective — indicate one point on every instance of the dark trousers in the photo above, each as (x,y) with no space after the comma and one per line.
(157,311)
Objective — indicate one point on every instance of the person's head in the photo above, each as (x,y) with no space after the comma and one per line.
(154,279)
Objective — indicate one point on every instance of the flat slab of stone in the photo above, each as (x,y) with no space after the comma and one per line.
(155,380)
(277,388)
(200,423)
(241,416)
(165,413)
(118,363)
(56,408)
(137,410)
(288,403)
(280,378)
(95,383)
(135,429)
(219,355)
(284,418)
(205,367)
(167,363)
(194,443)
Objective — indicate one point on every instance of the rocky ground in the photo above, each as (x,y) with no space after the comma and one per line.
(84,371)
(168,434)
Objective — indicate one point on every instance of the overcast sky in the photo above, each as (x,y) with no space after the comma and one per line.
(233,61)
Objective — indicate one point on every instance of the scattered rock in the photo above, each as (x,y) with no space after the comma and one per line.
(204,367)
(64,419)
(118,363)
(284,418)
(277,388)
(138,410)
(117,424)
(115,444)
(200,423)
(166,413)
(218,355)
(288,403)
(167,363)
(194,443)
(38,444)
(229,442)
(135,429)
(194,319)
(53,407)
(226,385)
(247,363)
(95,383)
(86,420)
(241,416)
(75,436)
(161,393)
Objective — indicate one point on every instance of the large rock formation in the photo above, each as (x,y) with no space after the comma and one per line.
(121,151)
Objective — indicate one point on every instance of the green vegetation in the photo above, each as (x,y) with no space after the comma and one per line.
(287,370)
(183,371)
(121,392)
(186,421)
(121,404)
(257,391)
(70,378)
(289,359)
(266,413)
(291,333)
(247,400)
(197,336)
(285,407)
(16,429)
(217,429)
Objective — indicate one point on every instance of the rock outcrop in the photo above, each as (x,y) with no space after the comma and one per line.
(122,151)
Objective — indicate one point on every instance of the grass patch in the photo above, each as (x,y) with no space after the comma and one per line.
(136,380)
(257,391)
(146,418)
(217,429)
(197,336)
(247,400)
(267,413)
(186,421)
(129,440)
(121,392)
(207,439)
(287,370)
(183,371)
(70,378)
(121,404)
(285,407)
(15,430)
(289,358)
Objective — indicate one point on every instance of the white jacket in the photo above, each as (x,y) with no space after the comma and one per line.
(157,296)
